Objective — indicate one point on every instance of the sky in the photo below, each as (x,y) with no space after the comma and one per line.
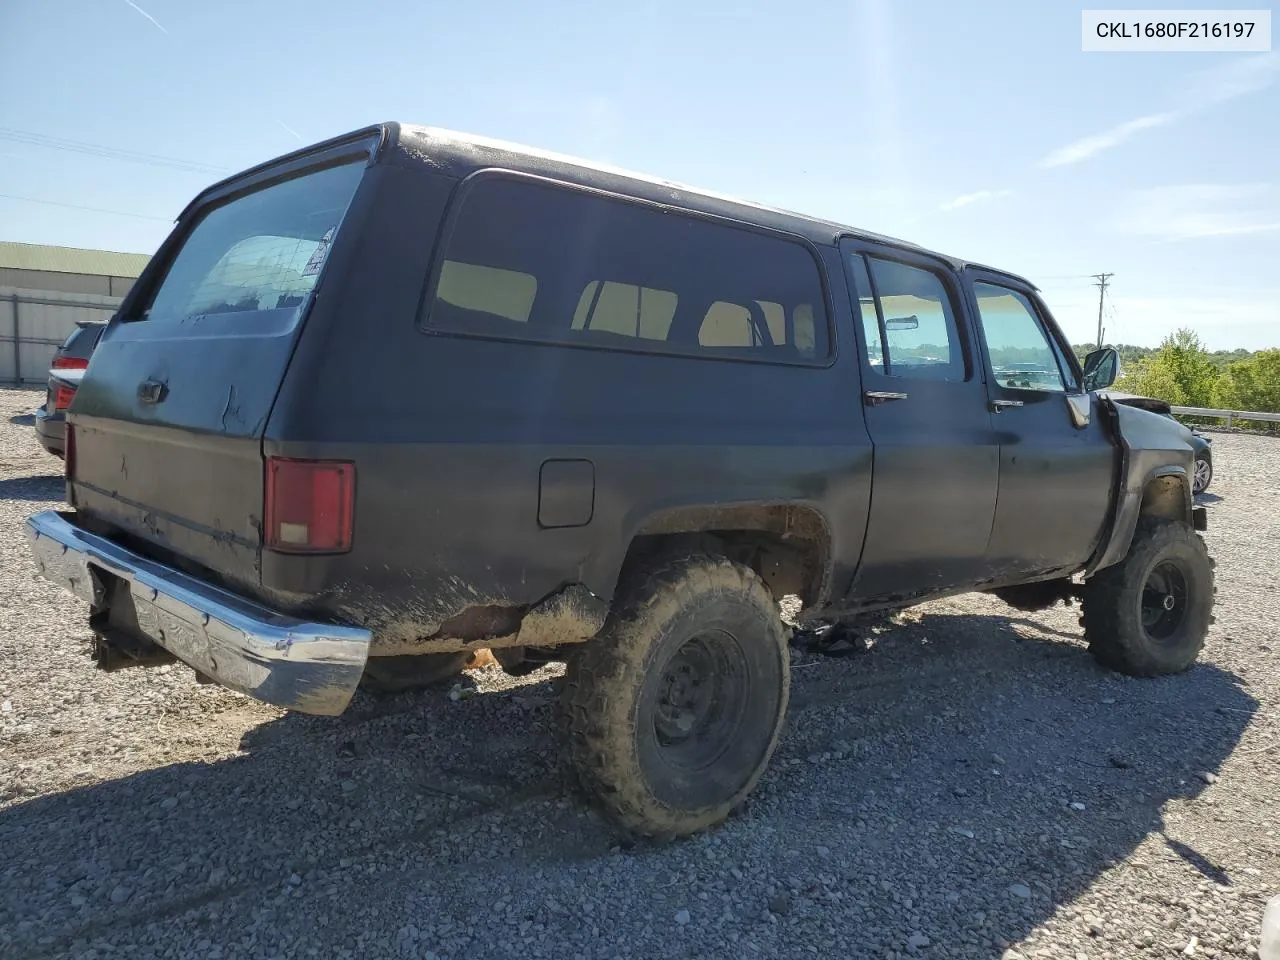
(980,129)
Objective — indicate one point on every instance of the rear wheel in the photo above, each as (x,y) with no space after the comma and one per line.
(1149,614)
(675,709)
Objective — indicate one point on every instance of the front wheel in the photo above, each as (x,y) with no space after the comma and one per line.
(675,709)
(1149,614)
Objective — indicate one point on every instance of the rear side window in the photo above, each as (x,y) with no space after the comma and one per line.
(533,261)
(260,252)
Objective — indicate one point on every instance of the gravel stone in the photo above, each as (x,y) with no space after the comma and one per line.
(168,819)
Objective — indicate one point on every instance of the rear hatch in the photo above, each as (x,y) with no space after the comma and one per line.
(168,421)
(78,347)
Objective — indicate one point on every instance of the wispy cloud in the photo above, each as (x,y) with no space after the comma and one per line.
(1207,88)
(978,196)
(159,26)
(1086,147)
(290,129)
(1235,78)
(1194,211)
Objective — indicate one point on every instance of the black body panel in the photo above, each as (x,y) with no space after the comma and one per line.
(453,435)
(169,424)
(936,462)
(1057,479)
(494,469)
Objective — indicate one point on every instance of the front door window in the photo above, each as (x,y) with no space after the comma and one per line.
(1023,355)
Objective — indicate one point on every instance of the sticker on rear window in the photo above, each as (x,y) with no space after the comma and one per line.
(317,257)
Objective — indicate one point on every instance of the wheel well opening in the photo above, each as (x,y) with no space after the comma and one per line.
(1166,497)
(787,546)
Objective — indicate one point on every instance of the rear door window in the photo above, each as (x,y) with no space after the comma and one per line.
(572,266)
(258,254)
(908,321)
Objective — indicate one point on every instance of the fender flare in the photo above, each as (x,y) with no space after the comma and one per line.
(1147,483)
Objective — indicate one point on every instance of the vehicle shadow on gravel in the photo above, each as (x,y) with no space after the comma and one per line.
(48,487)
(995,750)
(960,754)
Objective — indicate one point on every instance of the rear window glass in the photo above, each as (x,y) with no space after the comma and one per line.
(535,261)
(260,252)
(81,341)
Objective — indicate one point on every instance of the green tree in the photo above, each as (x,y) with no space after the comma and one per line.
(1180,372)
(1252,384)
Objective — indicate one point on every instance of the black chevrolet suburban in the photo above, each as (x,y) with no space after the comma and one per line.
(407,393)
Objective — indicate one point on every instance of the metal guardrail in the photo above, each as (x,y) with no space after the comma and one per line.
(1227,415)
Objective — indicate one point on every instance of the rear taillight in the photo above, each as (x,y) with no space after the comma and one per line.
(310,505)
(62,397)
(70,363)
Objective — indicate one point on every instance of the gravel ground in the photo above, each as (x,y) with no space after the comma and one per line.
(973,786)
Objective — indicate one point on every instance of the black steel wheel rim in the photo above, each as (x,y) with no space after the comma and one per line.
(1164,600)
(701,701)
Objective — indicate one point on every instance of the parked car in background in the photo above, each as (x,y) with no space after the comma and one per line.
(1202,445)
(69,364)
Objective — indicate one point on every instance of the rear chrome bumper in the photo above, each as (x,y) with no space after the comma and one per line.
(308,667)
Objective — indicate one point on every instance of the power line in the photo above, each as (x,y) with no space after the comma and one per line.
(77,206)
(1102,279)
(105,152)
(1111,317)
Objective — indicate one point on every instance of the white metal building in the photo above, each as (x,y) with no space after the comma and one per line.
(44,291)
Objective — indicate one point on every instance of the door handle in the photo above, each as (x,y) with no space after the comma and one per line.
(876,396)
(152,391)
(998,405)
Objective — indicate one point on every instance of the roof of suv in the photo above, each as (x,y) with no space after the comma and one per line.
(459,154)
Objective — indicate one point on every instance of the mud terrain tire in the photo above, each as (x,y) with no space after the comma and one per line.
(1149,614)
(675,709)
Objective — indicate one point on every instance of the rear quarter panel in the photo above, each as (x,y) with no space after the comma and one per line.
(450,435)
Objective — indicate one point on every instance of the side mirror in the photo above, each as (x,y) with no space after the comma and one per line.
(1101,367)
(902,323)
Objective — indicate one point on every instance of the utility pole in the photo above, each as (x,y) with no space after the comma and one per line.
(1102,279)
